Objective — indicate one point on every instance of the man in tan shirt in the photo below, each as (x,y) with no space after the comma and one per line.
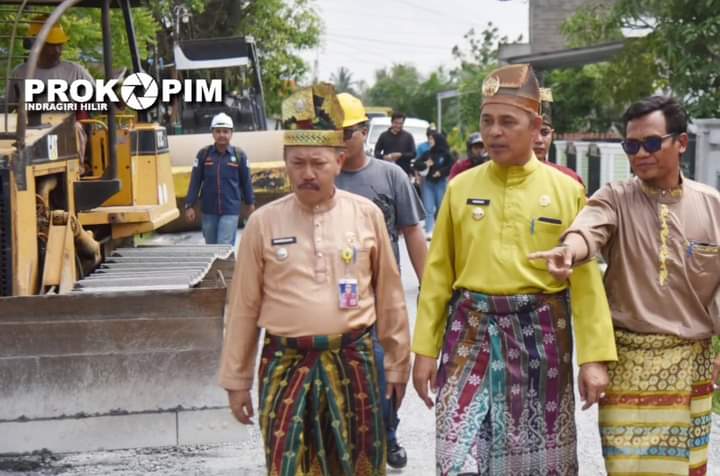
(316,270)
(660,235)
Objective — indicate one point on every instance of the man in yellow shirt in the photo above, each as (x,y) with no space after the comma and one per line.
(316,270)
(505,400)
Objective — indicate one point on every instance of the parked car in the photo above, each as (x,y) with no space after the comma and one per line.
(378,125)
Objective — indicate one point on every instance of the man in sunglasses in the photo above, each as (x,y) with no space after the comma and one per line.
(544,139)
(660,235)
(390,189)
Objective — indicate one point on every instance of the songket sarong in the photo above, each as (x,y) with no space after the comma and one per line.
(320,408)
(505,403)
(655,416)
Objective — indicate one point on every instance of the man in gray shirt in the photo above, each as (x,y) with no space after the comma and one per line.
(389,187)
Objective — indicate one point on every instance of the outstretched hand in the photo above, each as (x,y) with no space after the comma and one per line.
(559,261)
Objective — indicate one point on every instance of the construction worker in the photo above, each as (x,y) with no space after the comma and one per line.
(505,401)
(316,270)
(50,63)
(221,177)
(390,189)
(50,66)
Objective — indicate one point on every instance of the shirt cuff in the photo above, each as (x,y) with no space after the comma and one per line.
(236,383)
(397,376)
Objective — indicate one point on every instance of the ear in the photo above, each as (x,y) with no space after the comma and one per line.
(340,158)
(682,141)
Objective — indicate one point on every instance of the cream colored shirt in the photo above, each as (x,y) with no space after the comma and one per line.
(286,281)
(663,255)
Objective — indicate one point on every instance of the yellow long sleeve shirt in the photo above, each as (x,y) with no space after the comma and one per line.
(491,219)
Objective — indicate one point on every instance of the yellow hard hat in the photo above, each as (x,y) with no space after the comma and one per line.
(353,109)
(56,36)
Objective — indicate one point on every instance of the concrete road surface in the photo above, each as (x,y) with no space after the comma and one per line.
(245,456)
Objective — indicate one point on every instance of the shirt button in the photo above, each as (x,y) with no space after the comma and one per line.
(319,255)
(317,225)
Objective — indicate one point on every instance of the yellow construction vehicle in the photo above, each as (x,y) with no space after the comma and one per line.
(100,341)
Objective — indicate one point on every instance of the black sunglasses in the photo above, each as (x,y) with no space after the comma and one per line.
(349,131)
(651,144)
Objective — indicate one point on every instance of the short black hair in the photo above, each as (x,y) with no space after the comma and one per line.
(676,118)
(397,115)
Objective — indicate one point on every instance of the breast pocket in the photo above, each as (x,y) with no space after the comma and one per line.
(704,258)
(545,233)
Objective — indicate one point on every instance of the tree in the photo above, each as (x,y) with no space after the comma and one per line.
(83,28)
(678,53)
(343,81)
(404,89)
(281,29)
(476,60)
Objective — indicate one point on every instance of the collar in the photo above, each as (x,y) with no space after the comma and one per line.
(229,150)
(323,207)
(515,172)
(672,195)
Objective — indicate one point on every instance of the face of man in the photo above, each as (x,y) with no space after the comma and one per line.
(50,55)
(222,136)
(477,150)
(543,141)
(355,143)
(508,133)
(396,125)
(662,167)
(312,172)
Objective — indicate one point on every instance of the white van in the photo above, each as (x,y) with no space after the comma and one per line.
(416,127)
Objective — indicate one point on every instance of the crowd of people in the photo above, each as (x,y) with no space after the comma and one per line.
(511,294)
(510,289)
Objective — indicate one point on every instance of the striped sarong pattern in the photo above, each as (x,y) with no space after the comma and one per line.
(320,408)
(505,401)
(656,415)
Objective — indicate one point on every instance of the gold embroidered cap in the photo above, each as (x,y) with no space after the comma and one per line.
(515,85)
(313,117)
(546,100)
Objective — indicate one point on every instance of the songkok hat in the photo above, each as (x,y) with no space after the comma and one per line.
(313,117)
(514,85)
(546,100)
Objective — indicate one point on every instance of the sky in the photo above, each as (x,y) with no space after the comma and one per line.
(371,34)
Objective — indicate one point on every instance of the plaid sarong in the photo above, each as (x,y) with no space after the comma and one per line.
(320,409)
(505,402)
(655,417)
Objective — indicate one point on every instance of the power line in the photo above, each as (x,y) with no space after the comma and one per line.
(388,42)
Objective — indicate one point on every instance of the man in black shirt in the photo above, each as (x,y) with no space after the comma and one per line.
(396,144)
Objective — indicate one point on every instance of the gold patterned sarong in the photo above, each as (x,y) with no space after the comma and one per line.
(655,416)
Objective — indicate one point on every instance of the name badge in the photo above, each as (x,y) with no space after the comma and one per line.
(348,292)
(288,240)
(483,202)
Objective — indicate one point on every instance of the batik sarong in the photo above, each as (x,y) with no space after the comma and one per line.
(655,416)
(320,408)
(505,403)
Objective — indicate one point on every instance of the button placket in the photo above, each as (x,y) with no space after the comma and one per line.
(320,258)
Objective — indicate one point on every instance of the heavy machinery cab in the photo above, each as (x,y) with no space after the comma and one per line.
(62,207)
(222,57)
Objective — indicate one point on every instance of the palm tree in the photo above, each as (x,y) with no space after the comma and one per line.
(343,81)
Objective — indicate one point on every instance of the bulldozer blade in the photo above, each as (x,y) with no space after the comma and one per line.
(85,371)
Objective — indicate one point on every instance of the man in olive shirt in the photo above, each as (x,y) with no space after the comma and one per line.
(316,270)
(660,235)
(505,402)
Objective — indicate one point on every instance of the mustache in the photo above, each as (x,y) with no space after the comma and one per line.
(309,186)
